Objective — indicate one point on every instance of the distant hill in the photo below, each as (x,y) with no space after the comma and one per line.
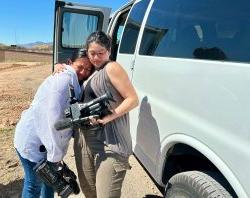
(35,44)
(40,46)
(2,46)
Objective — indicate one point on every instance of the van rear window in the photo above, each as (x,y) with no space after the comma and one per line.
(207,29)
(76,28)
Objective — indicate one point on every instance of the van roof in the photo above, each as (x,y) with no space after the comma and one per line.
(130,2)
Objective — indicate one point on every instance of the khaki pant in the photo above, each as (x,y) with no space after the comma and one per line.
(100,172)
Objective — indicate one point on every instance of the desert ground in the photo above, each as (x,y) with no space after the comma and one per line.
(18,84)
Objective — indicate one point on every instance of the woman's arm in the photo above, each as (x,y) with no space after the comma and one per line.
(121,82)
(56,142)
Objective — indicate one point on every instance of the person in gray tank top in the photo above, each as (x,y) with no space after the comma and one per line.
(102,155)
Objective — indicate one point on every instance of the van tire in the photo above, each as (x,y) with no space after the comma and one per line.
(194,184)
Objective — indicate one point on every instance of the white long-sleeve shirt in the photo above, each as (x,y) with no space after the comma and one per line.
(36,126)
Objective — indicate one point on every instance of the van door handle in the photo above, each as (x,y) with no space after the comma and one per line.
(132,65)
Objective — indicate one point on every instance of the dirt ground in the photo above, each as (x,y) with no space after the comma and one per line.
(18,83)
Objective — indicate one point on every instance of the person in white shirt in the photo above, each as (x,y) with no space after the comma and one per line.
(35,136)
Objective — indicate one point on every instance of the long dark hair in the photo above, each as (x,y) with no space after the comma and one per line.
(100,38)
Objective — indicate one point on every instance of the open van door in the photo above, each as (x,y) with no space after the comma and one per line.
(72,25)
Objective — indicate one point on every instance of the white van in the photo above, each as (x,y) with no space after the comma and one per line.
(189,62)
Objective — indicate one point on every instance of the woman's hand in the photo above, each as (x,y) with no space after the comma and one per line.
(104,120)
(108,118)
(59,68)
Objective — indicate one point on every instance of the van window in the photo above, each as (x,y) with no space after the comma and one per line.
(208,29)
(133,26)
(116,37)
(72,35)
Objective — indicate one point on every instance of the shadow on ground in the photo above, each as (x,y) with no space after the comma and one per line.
(11,190)
(152,196)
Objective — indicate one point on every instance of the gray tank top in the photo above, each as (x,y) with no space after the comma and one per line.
(115,134)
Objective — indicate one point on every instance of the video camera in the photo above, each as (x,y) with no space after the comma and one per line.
(79,114)
(58,176)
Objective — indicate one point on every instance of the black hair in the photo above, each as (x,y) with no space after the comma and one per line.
(100,38)
(78,53)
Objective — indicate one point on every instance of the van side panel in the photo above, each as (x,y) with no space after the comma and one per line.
(206,100)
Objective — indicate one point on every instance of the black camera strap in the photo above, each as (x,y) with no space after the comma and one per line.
(88,93)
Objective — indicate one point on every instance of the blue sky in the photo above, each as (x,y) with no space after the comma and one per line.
(26,21)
